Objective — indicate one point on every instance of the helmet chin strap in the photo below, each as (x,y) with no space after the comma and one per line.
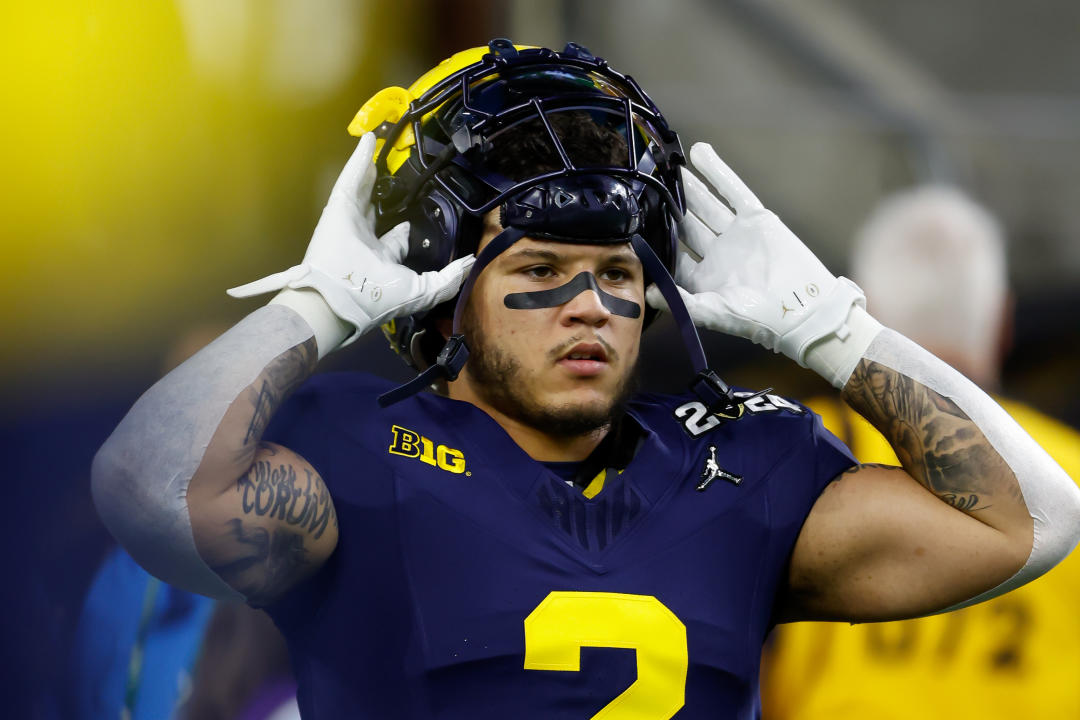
(707,385)
(455,353)
(492,250)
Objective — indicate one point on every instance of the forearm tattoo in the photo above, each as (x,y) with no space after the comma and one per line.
(936,442)
(284,374)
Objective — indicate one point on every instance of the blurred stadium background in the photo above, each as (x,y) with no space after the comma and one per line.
(156,153)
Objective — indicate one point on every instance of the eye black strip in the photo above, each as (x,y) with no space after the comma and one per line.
(565,293)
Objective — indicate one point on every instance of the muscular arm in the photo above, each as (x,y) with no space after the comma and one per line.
(886,543)
(183,482)
(261,515)
(979,507)
(939,446)
(188,488)
(275,525)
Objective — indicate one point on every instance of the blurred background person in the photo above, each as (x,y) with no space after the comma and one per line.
(933,265)
(243,670)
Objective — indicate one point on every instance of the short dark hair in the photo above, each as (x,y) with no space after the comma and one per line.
(525,150)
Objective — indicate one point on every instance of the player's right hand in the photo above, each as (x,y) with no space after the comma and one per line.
(756,279)
(358,274)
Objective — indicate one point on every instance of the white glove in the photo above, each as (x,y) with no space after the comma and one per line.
(360,276)
(757,280)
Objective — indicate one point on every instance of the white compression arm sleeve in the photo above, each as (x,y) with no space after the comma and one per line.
(140,475)
(329,329)
(1052,498)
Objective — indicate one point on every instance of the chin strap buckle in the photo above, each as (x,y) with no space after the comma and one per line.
(447,365)
(453,356)
(717,396)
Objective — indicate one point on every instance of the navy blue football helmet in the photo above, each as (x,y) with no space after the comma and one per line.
(448,154)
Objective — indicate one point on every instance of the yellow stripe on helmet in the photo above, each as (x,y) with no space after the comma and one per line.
(390,104)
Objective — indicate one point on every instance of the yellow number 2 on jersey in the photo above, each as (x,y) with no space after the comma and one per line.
(565,622)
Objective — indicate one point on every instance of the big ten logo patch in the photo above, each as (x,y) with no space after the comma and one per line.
(408,443)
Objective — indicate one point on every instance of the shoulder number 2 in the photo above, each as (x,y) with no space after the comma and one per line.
(565,622)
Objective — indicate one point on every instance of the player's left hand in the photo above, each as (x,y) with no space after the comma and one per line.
(756,279)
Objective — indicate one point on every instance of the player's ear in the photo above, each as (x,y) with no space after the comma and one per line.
(491,228)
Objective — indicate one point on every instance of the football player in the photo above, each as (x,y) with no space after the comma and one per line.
(536,539)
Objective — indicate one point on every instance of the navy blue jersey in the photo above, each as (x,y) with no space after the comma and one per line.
(471,581)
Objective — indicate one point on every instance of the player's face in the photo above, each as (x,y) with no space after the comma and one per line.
(561,369)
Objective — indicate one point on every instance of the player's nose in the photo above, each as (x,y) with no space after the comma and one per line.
(586,307)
